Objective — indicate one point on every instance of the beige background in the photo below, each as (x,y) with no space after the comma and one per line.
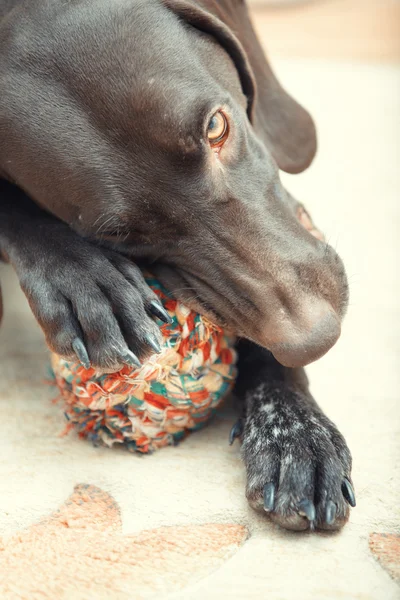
(336,29)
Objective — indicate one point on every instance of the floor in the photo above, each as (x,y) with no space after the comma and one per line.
(92,505)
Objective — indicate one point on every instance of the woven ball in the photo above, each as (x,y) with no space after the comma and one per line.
(171,394)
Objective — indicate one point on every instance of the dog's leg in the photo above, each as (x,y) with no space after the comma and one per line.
(90,302)
(298,464)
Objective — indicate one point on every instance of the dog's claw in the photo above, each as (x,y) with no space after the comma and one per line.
(154,343)
(81,352)
(236,431)
(330,512)
(307,509)
(269,496)
(159,311)
(348,492)
(130,359)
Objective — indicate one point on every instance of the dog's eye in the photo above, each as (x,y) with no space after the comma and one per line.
(217,130)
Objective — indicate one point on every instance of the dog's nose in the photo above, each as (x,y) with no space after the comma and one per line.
(303,340)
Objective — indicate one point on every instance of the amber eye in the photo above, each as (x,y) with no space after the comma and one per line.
(217,130)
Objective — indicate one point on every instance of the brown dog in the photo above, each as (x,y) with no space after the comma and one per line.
(154,130)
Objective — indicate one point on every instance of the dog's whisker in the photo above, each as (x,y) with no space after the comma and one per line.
(107,222)
(98,219)
(181,289)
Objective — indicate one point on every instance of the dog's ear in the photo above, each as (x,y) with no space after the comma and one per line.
(286,128)
(204,21)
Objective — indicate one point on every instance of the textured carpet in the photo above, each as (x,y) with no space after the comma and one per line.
(83,523)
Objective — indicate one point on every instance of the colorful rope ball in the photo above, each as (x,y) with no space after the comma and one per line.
(158,404)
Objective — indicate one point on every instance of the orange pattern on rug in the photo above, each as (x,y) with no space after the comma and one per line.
(80,552)
(386,549)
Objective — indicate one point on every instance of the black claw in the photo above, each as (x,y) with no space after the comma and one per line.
(236,431)
(269,496)
(330,512)
(130,359)
(159,311)
(81,352)
(348,492)
(307,509)
(154,343)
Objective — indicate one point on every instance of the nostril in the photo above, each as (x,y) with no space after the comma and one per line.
(300,349)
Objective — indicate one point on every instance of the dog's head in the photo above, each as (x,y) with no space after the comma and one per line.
(157,132)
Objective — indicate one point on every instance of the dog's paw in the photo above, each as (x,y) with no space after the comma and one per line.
(90,302)
(298,464)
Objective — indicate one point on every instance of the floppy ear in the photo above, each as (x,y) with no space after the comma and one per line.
(205,21)
(285,127)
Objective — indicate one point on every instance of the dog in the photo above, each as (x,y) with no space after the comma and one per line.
(151,133)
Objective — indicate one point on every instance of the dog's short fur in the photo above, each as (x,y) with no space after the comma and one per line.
(104,157)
